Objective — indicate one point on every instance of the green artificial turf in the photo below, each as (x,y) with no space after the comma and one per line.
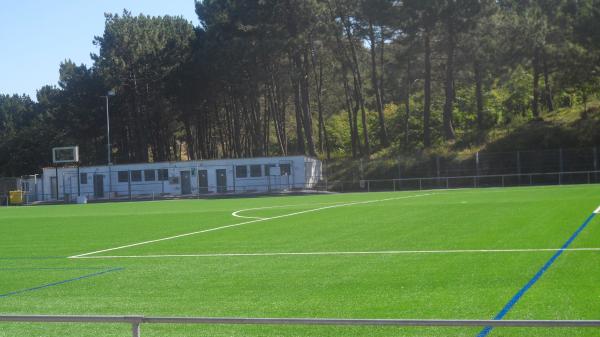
(189,276)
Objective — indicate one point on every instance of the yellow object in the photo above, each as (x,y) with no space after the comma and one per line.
(16,197)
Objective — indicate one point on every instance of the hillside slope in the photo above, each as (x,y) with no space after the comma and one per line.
(576,130)
(564,128)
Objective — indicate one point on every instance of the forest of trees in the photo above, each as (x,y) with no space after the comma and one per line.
(327,78)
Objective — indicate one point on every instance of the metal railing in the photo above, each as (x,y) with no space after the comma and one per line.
(152,192)
(418,164)
(477,181)
(322,184)
(137,321)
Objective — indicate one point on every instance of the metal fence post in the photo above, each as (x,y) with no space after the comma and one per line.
(394,183)
(78,181)
(595,158)
(64,188)
(361,169)
(519,166)
(129,183)
(109,181)
(559,178)
(135,329)
(476,164)
(561,164)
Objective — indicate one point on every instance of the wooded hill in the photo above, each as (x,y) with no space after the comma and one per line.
(327,78)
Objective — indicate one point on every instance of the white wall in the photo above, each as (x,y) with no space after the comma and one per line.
(305,173)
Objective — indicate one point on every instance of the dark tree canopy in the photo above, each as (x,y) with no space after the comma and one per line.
(317,77)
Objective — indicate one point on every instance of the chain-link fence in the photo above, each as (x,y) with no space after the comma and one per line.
(164,190)
(506,180)
(482,169)
(94,184)
(417,172)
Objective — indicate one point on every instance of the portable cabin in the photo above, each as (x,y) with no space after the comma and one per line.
(183,178)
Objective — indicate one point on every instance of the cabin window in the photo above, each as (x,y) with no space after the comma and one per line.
(136,175)
(255,171)
(268,169)
(163,174)
(241,171)
(123,176)
(286,169)
(149,175)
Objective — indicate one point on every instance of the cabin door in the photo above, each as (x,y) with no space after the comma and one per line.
(186,183)
(221,181)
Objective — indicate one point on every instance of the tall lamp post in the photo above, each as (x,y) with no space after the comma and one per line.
(108,146)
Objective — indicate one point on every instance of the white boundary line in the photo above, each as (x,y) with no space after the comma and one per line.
(245,223)
(385,252)
(597,211)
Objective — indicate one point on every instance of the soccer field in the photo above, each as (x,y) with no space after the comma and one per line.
(456,254)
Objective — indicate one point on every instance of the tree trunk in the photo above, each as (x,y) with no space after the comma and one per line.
(352,114)
(275,115)
(347,62)
(407,104)
(298,84)
(383,136)
(189,137)
(266,131)
(427,91)
(317,66)
(382,66)
(479,95)
(300,147)
(307,113)
(449,84)
(536,84)
(547,89)
(358,85)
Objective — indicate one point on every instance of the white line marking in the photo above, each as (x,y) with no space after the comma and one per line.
(385,252)
(597,211)
(236,213)
(245,223)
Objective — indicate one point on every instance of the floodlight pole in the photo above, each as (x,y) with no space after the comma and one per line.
(108,146)
(107,131)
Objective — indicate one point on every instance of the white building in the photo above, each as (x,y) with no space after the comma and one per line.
(185,178)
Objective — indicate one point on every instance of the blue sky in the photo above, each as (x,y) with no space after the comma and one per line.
(36,35)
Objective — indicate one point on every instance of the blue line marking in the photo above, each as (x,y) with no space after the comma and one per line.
(60,282)
(486,331)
